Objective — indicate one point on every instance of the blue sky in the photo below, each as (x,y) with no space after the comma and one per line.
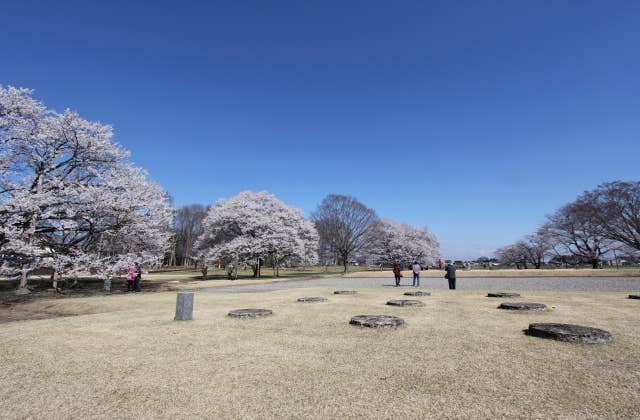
(473,118)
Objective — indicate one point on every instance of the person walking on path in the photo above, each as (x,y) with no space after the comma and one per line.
(416,274)
(397,272)
(451,276)
(131,278)
(138,277)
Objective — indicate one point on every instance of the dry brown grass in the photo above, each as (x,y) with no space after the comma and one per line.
(458,356)
(561,272)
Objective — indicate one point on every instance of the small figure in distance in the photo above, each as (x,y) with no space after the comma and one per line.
(439,264)
(232,273)
(131,278)
(451,276)
(397,271)
(416,273)
(136,282)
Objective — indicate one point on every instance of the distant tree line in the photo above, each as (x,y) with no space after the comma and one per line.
(599,223)
(256,229)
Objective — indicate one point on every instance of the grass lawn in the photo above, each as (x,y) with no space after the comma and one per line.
(458,356)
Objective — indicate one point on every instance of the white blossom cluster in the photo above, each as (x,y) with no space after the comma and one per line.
(252,226)
(398,242)
(69,197)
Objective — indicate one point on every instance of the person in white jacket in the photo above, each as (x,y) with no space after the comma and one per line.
(416,274)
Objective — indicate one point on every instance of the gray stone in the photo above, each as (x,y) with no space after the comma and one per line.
(503,295)
(345,292)
(184,306)
(250,313)
(377,321)
(634,296)
(523,306)
(418,293)
(312,299)
(405,302)
(569,332)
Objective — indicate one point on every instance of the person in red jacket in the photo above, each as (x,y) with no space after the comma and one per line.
(397,272)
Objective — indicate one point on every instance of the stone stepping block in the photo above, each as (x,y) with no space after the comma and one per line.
(377,321)
(250,313)
(345,292)
(503,295)
(312,299)
(570,333)
(523,306)
(417,293)
(405,302)
(634,296)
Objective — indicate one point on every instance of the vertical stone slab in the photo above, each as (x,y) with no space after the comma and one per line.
(184,306)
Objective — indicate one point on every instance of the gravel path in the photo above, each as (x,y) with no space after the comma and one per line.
(581,284)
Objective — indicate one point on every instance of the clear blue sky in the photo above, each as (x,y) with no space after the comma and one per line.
(473,118)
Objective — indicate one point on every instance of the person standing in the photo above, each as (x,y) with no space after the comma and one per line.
(397,272)
(138,277)
(131,278)
(416,273)
(451,276)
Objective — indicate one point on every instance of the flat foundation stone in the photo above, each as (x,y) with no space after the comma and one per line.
(503,295)
(570,333)
(417,293)
(345,292)
(377,321)
(250,313)
(523,306)
(405,302)
(312,299)
(634,296)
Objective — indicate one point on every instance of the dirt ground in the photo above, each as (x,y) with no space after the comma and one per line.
(41,303)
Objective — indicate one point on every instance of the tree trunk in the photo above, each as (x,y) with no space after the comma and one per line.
(24,279)
(107,284)
(594,263)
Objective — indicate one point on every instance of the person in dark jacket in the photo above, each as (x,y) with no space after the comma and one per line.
(451,276)
(397,272)
(136,282)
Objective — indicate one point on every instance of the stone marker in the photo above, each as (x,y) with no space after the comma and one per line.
(377,321)
(503,294)
(570,333)
(345,292)
(312,299)
(418,293)
(405,302)
(250,313)
(184,306)
(634,296)
(523,306)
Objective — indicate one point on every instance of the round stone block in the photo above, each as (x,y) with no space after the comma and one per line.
(569,332)
(345,292)
(312,299)
(503,294)
(634,296)
(418,293)
(377,321)
(250,313)
(523,306)
(405,302)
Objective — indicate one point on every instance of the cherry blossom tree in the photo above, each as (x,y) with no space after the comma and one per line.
(399,242)
(69,198)
(252,227)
